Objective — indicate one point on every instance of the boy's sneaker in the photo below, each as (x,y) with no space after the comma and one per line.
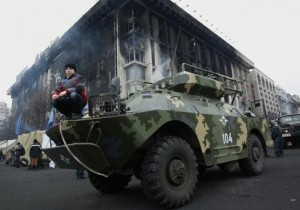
(64,117)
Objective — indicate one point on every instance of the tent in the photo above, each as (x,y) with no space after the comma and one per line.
(7,145)
(47,143)
(27,139)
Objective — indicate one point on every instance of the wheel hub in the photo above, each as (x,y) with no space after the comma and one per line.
(255,154)
(176,172)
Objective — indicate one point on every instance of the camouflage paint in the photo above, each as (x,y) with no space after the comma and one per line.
(221,129)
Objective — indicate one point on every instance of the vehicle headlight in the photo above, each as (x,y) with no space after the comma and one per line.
(163,85)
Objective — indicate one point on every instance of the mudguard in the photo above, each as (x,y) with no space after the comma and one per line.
(78,155)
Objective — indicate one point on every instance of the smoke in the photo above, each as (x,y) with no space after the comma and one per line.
(162,70)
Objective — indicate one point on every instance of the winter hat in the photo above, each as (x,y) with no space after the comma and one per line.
(70,65)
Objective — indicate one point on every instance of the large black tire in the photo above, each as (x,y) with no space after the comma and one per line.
(24,162)
(253,164)
(169,172)
(113,183)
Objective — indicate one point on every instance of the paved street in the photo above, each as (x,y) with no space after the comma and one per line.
(47,189)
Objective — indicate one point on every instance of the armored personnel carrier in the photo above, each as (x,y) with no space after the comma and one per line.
(164,135)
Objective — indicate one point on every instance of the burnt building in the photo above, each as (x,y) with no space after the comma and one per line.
(137,40)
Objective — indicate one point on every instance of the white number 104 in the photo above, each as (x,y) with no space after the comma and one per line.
(227,138)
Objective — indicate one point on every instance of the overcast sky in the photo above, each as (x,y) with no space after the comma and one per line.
(27,28)
(265,31)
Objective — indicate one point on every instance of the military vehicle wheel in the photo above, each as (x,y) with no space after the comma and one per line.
(169,172)
(254,163)
(113,183)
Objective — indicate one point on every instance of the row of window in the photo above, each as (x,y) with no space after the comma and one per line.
(264,82)
(168,43)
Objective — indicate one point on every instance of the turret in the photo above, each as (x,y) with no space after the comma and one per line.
(204,83)
(186,82)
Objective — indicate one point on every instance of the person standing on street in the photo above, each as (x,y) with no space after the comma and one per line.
(1,155)
(35,151)
(18,153)
(80,173)
(12,158)
(276,134)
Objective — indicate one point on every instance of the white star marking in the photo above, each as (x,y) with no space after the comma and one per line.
(223,120)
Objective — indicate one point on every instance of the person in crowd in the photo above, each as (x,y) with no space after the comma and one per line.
(69,97)
(276,134)
(40,163)
(18,153)
(1,155)
(35,150)
(10,159)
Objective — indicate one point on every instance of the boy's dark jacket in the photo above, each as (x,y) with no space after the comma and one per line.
(70,85)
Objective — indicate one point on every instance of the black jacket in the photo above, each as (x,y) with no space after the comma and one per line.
(276,132)
(18,151)
(70,85)
(35,150)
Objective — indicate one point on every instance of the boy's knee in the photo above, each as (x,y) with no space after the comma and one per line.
(74,95)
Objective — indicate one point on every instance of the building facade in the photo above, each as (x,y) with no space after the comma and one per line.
(296,103)
(140,41)
(263,90)
(4,113)
(284,100)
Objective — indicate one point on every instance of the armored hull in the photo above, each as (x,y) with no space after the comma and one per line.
(172,128)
